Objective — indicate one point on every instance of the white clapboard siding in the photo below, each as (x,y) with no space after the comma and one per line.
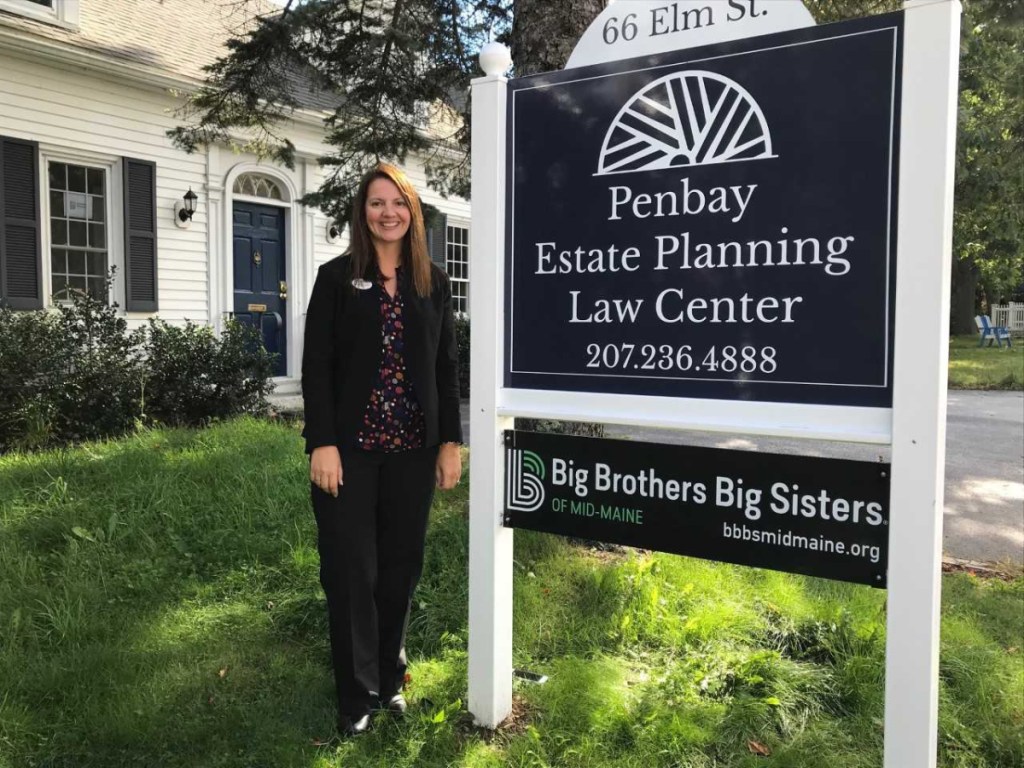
(82,113)
(76,113)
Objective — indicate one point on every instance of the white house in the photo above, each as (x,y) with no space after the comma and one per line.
(89,179)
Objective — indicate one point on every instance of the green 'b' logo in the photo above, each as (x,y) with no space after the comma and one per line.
(524,489)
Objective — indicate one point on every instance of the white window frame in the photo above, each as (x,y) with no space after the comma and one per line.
(63,13)
(114,217)
(464,281)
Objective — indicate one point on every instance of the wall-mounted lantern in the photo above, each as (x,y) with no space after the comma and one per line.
(334,230)
(185,208)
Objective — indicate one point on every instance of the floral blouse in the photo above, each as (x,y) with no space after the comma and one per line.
(393,420)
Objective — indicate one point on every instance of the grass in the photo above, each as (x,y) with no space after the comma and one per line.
(159,606)
(974,367)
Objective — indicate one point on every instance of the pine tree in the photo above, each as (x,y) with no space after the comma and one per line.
(384,70)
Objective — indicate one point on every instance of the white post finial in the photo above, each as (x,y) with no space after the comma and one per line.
(495,59)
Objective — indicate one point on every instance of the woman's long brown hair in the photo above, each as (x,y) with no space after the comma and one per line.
(415,257)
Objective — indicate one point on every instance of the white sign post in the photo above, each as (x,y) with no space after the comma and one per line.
(915,425)
(930,61)
(490,544)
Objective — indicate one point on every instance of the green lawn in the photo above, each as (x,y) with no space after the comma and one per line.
(159,606)
(974,367)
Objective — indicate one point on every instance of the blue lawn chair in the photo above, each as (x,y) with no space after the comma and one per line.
(991,332)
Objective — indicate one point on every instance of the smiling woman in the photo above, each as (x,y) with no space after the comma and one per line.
(387,216)
(381,394)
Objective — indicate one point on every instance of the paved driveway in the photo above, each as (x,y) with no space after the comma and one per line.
(985,476)
(984,468)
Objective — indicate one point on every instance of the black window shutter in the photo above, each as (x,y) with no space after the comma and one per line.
(21,284)
(436,238)
(140,235)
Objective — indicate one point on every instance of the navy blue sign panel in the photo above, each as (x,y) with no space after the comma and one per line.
(797,514)
(717,222)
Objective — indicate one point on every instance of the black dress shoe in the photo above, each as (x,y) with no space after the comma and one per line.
(396,705)
(349,725)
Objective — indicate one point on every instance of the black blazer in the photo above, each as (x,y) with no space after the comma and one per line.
(342,355)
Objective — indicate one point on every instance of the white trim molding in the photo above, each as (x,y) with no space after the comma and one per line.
(60,13)
(297,242)
(113,214)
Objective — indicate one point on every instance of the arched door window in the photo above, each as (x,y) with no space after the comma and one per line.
(257,185)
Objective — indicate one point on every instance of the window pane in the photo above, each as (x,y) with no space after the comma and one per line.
(95,181)
(76,262)
(56,203)
(77,283)
(76,178)
(97,238)
(77,233)
(257,185)
(97,287)
(97,213)
(58,176)
(57,286)
(59,231)
(59,262)
(97,263)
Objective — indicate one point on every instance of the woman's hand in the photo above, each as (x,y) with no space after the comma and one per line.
(325,469)
(449,466)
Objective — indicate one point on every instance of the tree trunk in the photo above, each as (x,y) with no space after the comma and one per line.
(544,33)
(963,297)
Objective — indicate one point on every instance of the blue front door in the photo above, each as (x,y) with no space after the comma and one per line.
(261,290)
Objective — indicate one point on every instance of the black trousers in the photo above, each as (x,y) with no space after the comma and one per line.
(371,540)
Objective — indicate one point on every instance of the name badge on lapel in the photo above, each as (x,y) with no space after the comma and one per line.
(361,285)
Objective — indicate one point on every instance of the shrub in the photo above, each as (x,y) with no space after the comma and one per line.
(29,355)
(101,390)
(77,373)
(194,377)
(68,375)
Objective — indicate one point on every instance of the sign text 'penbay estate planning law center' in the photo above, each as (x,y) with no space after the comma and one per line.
(696,224)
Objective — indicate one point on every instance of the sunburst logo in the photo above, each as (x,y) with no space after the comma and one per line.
(524,489)
(685,119)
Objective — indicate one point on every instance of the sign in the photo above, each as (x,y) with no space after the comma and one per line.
(798,514)
(642,27)
(791,139)
(77,205)
(711,223)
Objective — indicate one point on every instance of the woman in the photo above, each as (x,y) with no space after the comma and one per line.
(381,391)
